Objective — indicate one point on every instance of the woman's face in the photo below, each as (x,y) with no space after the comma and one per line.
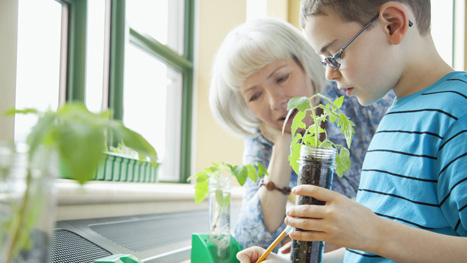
(267,92)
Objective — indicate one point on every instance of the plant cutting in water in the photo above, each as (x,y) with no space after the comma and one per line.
(216,175)
(80,139)
(240,172)
(311,134)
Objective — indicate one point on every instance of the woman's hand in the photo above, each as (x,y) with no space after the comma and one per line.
(272,134)
(252,254)
(273,203)
(340,221)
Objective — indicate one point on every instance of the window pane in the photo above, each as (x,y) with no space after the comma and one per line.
(95,55)
(38,65)
(152,107)
(160,19)
(442,28)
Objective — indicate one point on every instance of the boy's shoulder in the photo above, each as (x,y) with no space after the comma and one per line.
(448,94)
(457,78)
(453,82)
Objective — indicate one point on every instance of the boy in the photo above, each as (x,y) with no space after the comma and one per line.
(412,199)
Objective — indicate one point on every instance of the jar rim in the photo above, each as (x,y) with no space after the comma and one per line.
(323,153)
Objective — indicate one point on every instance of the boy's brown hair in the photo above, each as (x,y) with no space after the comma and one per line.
(362,11)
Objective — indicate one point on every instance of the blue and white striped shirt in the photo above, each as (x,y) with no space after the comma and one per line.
(415,169)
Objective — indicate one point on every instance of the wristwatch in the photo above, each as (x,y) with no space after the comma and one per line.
(271,186)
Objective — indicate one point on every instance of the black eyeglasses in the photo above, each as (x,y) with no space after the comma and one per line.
(334,61)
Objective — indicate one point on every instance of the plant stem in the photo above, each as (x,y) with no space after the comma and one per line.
(315,120)
(214,226)
(22,213)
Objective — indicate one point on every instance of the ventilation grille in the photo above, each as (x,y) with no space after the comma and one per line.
(140,235)
(68,247)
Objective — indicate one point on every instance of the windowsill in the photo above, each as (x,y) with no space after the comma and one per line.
(99,199)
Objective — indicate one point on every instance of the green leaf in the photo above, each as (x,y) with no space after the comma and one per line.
(346,128)
(12,112)
(326,144)
(300,103)
(201,191)
(252,173)
(200,177)
(261,170)
(342,161)
(338,102)
(294,156)
(309,140)
(213,169)
(297,122)
(241,173)
(81,149)
(42,133)
(226,164)
(133,140)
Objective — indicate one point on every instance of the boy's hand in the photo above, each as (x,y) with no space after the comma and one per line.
(340,221)
(252,254)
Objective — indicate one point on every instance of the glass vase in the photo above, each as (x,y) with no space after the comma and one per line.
(219,214)
(316,167)
(27,203)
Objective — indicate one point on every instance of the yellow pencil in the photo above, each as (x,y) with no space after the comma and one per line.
(274,244)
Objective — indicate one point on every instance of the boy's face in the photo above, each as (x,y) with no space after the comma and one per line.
(364,70)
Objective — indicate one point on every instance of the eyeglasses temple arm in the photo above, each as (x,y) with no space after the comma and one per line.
(361,31)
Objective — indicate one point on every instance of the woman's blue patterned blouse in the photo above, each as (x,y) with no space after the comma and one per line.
(250,229)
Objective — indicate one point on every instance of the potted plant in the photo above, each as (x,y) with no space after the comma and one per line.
(216,181)
(122,164)
(72,138)
(314,157)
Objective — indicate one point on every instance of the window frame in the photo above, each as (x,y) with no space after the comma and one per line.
(74,73)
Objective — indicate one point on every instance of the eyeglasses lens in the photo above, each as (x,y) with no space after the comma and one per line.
(331,62)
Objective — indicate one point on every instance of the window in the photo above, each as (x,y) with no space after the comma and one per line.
(447,29)
(97,38)
(157,77)
(134,57)
(38,60)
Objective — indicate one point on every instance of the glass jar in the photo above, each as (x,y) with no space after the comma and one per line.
(27,203)
(219,214)
(316,167)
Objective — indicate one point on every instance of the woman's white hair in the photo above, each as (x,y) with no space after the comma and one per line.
(246,50)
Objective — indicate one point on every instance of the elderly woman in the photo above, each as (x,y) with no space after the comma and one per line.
(259,67)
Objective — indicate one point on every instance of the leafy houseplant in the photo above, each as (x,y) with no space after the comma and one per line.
(314,157)
(216,181)
(78,137)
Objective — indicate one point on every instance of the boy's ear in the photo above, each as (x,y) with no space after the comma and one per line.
(395,19)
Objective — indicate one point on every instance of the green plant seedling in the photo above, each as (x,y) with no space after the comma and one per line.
(310,135)
(79,137)
(240,172)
